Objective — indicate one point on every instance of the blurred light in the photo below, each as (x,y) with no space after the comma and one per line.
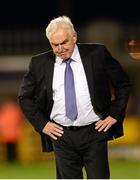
(133,48)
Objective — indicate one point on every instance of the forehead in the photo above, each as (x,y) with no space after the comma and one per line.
(59,36)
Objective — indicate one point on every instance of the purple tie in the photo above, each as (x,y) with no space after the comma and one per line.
(70,97)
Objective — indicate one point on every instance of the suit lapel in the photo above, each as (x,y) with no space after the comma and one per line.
(49,69)
(87,64)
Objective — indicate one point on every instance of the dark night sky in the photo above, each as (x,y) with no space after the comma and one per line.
(14,14)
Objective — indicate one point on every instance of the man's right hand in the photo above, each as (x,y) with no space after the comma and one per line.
(53,130)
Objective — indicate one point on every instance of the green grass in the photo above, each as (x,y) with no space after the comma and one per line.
(125,169)
(35,170)
(120,169)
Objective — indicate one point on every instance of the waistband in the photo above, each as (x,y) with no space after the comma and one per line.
(76,127)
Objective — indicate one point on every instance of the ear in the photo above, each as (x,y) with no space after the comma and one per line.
(74,37)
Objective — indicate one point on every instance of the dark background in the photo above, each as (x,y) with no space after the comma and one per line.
(19,14)
(23,23)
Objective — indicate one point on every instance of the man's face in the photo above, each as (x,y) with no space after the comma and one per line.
(62,43)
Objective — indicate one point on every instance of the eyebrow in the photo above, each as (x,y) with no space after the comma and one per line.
(66,40)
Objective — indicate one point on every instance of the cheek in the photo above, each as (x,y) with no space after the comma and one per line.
(54,50)
(68,47)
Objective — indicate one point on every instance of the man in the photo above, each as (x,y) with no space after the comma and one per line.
(76,125)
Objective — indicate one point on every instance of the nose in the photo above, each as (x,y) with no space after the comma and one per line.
(60,48)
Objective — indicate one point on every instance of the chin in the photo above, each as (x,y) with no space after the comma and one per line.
(64,57)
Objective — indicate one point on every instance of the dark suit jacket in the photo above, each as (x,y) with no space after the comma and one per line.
(103,73)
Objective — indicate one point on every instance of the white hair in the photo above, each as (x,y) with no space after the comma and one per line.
(60,22)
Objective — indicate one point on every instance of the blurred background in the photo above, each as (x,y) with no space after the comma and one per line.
(22,35)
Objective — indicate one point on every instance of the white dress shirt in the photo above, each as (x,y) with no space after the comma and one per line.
(86,114)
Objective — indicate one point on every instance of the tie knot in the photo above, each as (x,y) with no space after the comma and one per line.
(68,61)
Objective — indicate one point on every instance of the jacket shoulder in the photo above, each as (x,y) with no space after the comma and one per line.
(42,55)
(90,45)
(42,58)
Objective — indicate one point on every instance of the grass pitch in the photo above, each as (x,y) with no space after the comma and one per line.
(120,169)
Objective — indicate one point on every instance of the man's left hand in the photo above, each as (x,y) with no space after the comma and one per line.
(104,125)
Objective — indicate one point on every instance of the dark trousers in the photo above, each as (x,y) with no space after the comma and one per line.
(82,147)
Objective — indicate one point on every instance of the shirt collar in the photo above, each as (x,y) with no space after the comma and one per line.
(75,56)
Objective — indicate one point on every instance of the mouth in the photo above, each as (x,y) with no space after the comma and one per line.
(62,53)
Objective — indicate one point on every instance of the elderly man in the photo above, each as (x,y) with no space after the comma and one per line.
(66,95)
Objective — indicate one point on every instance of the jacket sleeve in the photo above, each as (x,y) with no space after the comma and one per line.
(121,86)
(27,100)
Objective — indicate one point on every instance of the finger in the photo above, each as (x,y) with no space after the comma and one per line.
(98,122)
(56,133)
(52,136)
(58,127)
(107,128)
(103,126)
